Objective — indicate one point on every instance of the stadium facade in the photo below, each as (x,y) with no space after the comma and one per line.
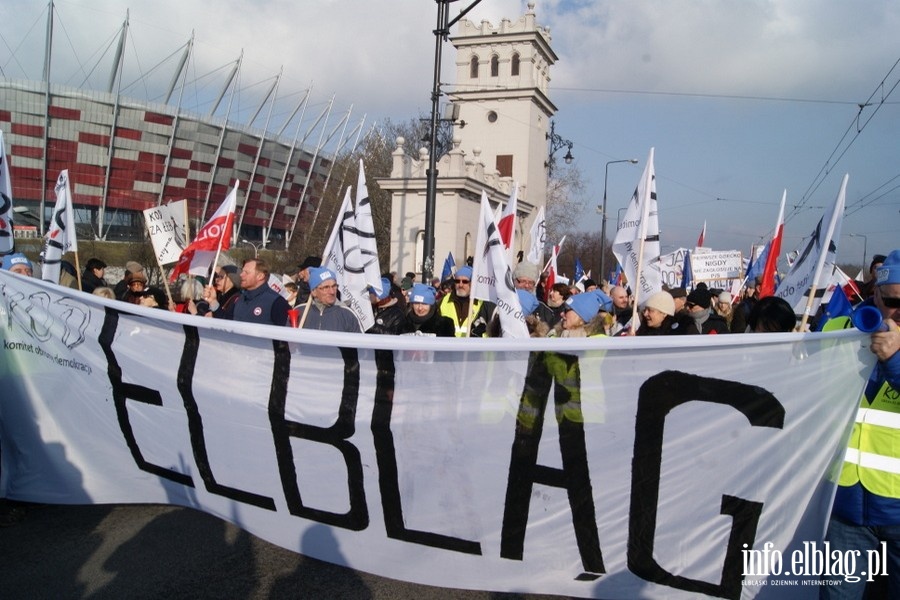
(125,155)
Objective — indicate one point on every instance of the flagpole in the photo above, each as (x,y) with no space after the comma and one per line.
(78,271)
(823,253)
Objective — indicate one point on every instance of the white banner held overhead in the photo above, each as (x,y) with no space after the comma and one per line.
(616,468)
(167,234)
(717,265)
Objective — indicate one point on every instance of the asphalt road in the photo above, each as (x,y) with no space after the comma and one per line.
(153,551)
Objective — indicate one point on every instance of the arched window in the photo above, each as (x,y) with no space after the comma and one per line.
(514,65)
(473,68)
(495,66)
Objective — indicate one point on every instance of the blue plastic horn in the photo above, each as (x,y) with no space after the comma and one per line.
(868,319)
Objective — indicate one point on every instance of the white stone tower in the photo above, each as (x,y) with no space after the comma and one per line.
(501,89)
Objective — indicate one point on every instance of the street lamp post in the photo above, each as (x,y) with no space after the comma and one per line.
(603,212)
(440,34)
(256,247)
(557,142)
(865,245)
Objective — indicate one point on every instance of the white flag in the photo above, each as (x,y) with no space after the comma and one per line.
(538,238)
(7,241)
(636,245)
(365,229)
(491,277)
(811,272)
(342,256)
(506,223)
(61,236)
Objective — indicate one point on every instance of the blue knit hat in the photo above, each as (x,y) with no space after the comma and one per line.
(15,259)
(421,294)
(887,273)
(318,276)
(464,272)
(528,301)
(585,305)
(385,289)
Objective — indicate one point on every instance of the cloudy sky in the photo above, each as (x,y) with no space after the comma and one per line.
(742,99)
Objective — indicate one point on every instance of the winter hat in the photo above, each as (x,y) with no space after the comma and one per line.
(528,301)
(527,270)
(133,267)
(310,261)
(605,301)
(135,276)
(406,283)
(385,288)
(15,259)
(421,294)
(700,297)
(663,302)
(725,298)
(318,276)
(678,292)
(464,272)
(887,273)
(233,274)
(585,305)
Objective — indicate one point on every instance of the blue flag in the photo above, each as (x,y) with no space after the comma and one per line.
(449,263)
(756,268)
(579,270)
(838,306)
(687,276)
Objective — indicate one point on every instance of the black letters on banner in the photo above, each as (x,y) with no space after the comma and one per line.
(545,369)
(122,392)
(357,518)
(386,456)
(195,428)
(658,396)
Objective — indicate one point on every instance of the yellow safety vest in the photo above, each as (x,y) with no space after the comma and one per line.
(448,309)
(873,454)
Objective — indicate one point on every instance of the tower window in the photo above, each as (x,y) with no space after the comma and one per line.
(495,66)
(473,68)
(514,65)
(505,164)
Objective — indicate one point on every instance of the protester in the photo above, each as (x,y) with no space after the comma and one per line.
(138,292)
(867,289)
(325,312)
(559,293)
(622,309)
(389,317)
(865,517)
(68,275)
(258,303)
(525,277)
(734,317)
(121,287)
(658,316)
(292,290)
(92,278)
(422,318)
(580,316)
(455,305)
(303,278)
(705,320)
(190,292)
(771,315)
(18,263)
(219,298)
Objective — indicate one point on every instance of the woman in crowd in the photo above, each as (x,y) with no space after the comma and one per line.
(422,318)
(658,316)
(733,316)
(584,315)
(559,293)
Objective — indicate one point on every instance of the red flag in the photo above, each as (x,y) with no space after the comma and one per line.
(768,277)
(506,224)
(702,236)
(214,236)
(551,269)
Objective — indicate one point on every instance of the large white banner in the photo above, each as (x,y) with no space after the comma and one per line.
(600,467)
